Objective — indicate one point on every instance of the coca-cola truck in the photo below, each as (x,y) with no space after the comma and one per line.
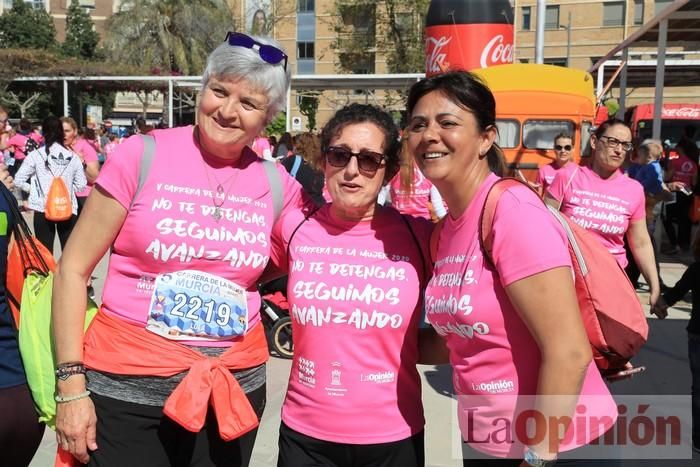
(677,121)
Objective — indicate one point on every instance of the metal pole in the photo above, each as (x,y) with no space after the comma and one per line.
(601,83)
(568,43)
(623,85)
(539,37)
(660,71)
(289,109)
(66,108)
(170,103)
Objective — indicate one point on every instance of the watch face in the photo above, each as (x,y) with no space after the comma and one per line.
(534,460)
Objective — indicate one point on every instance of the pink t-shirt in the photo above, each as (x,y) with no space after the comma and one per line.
(546,174)
(684,170)
(87,153)
(354,292)
(494,356)
(18,142)
(170,225)
(605,207)
(262,148)
(414,202)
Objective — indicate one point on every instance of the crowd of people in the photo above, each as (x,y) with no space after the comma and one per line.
(377,228)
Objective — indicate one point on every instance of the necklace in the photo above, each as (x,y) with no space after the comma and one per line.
(219,194)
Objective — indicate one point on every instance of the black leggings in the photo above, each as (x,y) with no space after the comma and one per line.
(45,230)
(678,212)
(131,434)
(20,430)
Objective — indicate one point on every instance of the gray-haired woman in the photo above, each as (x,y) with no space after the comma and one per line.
(179,328)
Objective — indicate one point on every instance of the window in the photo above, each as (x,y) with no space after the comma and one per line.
(661,4)
(555,61)
(638,12)
(305,6)
(527,15)
(37,4)
(614,14)
(539,134)
(551,17)
(305,50)
(508,133)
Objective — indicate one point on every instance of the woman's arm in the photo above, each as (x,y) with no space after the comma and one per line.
(92,170)
(432,348)
(79,178)
(547,304)
(643,253)
(25,172)
(97,227)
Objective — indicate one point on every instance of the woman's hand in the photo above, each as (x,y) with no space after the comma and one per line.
(659,308)
(76,425)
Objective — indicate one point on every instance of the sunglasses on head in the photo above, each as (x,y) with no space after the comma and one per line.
(268,53)
(559,147)
(367,161)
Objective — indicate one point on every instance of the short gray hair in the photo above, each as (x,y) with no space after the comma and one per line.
(234,63)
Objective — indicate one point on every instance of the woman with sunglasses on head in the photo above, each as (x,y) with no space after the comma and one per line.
(604,201)
(356,271)
(563,145)
(172,369)
(493,311)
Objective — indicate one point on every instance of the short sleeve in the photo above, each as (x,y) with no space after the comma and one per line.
(120,173)
(88,152)
(527,239)
(539,179)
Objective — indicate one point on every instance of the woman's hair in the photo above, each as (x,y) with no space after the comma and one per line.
(254,27)
(653,146)
(469,92)
(407,168)
(689,148)
(287,140)
(25,126)
(240,63)
(308,146)
(600,131)
(70,121)
(365,113)
(52,129)
(564,135)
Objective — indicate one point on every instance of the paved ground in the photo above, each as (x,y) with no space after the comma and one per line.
(665,357)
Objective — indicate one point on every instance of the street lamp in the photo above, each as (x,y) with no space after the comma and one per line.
(568,41)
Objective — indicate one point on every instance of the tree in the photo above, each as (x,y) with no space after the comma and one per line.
(278,125)
(392,28)
(308,108)
(170,36)
(25,27)
(81,37)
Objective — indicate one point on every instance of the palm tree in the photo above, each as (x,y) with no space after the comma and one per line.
(170,36)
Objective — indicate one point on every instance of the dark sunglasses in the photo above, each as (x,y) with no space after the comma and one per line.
(269,53)
(367,161)
(559,147)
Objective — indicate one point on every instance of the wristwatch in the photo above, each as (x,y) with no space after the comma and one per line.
(535,460)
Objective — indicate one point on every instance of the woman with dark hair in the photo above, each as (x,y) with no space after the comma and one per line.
(493,311)
(681,176)
(285,146)
(563,146)
(602,200)
(41,166)
(303,166)
(356,270)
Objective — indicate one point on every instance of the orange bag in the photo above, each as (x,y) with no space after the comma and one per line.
(694,213)
(26,254)
(58,202)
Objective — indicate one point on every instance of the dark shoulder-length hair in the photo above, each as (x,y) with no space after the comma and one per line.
(52,129)
(469,92)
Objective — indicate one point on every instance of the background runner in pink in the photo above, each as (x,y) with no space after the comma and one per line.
(563,145)
(416,199)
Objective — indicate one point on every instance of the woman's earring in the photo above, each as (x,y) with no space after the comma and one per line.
(482,154)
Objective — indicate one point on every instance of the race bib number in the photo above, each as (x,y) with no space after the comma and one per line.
(194,305)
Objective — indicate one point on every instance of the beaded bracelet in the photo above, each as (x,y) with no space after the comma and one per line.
(65,372)
(63,399)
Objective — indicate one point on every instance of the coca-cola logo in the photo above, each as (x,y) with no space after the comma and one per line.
(496,52)
(435,56)
(681,112)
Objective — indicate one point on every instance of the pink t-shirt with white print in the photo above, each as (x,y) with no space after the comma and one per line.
(354,293)
(546,174)
(605,207)
(414,202)
(171,226)
(87,153)
(495,359)
(18,142)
